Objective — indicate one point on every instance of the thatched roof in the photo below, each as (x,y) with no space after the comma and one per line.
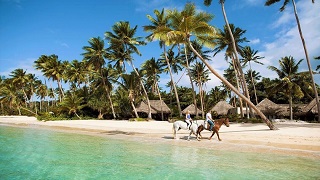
(222,108)
(191,109)
(155,107)
(268,107)
(311,107)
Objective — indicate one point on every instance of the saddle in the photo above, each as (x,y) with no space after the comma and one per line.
(207,126)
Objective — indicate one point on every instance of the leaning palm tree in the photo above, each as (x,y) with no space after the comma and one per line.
(234,46)
(285,3)
(203,32)
(190,57)
(159,28)
(249,55)
(224,42)
(288,75)
(123,38)
(94,56)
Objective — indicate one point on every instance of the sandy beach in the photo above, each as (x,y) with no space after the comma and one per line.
(292,138)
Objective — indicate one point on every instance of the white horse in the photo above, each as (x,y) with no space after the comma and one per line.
(183,125)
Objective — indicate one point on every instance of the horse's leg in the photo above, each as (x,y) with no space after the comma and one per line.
(218,135)
(189,135)
(213,132)
(200,128)
(174,133)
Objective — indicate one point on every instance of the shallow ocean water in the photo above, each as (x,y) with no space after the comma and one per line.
(32,153)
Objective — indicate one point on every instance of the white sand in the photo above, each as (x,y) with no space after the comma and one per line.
(293,138)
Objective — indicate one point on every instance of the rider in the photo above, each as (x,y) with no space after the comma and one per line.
(209,120)
(188,119)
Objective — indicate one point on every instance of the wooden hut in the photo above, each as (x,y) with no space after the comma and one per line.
(222,108)
(156,109)
(191,109)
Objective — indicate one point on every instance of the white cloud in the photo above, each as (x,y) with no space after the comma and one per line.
(287,41)
(254,41)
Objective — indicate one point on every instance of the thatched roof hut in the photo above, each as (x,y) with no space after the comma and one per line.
(268,107)
(222,108)
(311,107)
(191,108)
(155,107)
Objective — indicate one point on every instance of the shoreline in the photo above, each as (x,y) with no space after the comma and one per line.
(293,138)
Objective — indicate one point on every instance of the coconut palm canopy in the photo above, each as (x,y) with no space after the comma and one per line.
(222,108)
(155,107)
(191,110)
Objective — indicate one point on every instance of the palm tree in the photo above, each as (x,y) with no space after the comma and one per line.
(200,75)
(130,82)
(224,41)
(285,3)
(52,68)
(42,93)
(288,75)
(190,57)
(249,55)
(253,77)
(151,69)
(72,103)
(122,38)
(20,79)
(203,31)
(76,72)
(159,29)
(234,46)
(94,56)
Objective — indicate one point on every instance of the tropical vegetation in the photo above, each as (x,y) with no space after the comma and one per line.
(100,86)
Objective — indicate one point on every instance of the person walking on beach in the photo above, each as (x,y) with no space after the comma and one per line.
(188,119)
(210,120)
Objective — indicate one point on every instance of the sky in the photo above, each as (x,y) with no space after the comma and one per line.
(31,28)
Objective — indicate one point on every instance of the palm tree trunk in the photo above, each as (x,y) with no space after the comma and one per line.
(253,84)
(227,83)
(238,86)
(134,109)
(290,106)
(246,92)
(144,90)
(60,87)
(173,84)
(307,58)
(108,94)
(161,104)
(193,91)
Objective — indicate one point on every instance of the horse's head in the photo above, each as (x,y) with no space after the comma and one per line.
(226,122)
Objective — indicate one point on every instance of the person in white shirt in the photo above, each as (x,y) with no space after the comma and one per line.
(188,119)
(210,120)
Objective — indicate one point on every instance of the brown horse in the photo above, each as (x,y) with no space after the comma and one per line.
(217,124)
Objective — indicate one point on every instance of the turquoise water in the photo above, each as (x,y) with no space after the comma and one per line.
(27,153)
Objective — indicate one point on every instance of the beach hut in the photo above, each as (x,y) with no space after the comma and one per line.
(311,107)
(222,108)
(271,109)
(191,108)
(156,109)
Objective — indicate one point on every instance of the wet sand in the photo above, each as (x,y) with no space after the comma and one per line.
(292,138)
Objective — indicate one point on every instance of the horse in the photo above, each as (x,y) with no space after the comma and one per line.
(183,125)
(217,124)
